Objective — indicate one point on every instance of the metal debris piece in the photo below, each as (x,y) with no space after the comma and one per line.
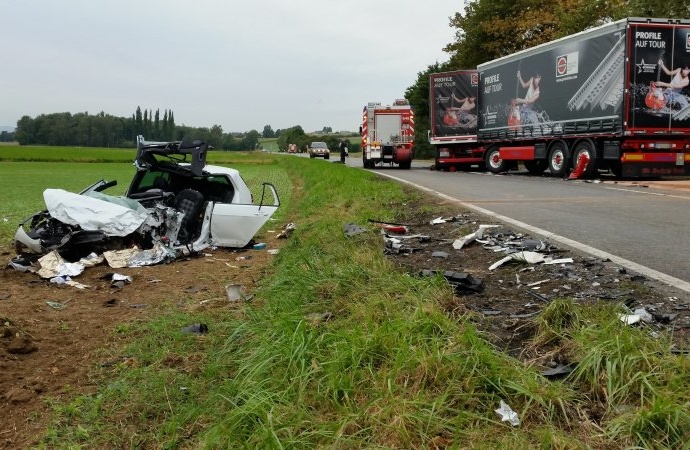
(507,414)
(234,292)
(548,261)
(538,296)
(462,282)
(287,231)
(21,265)
(57,305)
(533,245)
(351,229)
(640,314)
(52,265)
(525,256)
(560,369)
(197,328)
(664,318)
(439,254)
(117,259)
(393,245)
(478,234)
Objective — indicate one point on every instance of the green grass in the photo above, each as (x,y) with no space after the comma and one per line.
(388,370)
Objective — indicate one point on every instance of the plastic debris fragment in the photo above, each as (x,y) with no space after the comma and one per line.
(507,414)
(478,234)
(528,257)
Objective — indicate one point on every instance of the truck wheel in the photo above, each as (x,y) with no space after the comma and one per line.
(558,158)
(405,164)
(586,147)
(535,167)
(493,160)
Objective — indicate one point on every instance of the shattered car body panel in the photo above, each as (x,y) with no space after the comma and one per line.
(183,205)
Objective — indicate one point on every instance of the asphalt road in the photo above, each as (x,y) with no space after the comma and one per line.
(643,222)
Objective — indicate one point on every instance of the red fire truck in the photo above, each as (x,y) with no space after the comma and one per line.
(387,134)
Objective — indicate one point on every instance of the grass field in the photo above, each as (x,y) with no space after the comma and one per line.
(389,370)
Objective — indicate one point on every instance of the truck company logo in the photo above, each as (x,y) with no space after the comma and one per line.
(567,64)
(475,76)
(644,67)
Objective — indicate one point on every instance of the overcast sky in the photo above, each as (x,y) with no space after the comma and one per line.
(237,64)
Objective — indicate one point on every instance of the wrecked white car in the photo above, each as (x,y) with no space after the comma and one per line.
(176,204)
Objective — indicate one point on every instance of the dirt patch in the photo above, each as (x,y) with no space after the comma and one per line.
(51,353)
(52,337)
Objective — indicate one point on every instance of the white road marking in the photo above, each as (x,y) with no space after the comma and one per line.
(630,265)
(660,194)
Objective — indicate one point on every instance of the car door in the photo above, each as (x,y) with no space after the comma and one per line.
(234,225)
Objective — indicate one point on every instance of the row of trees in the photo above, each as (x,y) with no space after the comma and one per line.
(297,136)
(7,136)
(490,29)
(269,133)
(105,130)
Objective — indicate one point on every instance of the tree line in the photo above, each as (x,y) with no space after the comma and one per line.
(489,29)
(105,130)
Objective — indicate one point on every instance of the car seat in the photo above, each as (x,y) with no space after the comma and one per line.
(191,203)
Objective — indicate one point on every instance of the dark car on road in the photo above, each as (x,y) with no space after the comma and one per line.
(319,149)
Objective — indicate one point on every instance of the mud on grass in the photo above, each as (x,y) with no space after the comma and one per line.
(55,354)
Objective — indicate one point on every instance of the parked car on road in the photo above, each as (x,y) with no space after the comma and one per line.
(172,204)
(319,149)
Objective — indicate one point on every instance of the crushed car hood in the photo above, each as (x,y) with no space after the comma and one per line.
(94,214)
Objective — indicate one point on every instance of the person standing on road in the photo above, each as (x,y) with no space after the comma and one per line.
(343,151)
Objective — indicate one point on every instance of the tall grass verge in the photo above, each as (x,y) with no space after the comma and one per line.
(339,349)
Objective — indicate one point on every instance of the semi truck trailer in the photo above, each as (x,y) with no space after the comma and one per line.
(613,98)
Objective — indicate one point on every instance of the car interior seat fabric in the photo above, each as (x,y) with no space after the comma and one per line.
(189,202)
